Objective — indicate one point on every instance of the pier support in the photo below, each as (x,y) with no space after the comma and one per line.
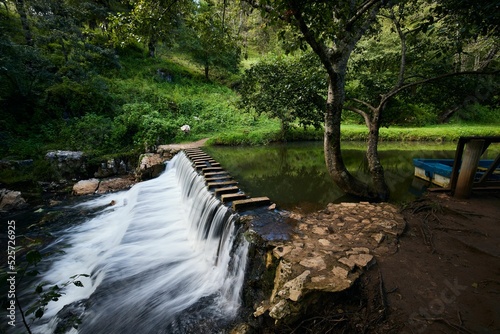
(470,162)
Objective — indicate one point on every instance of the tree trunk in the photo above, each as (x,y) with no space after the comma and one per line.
(152,48)
(206,72)
(374,165)
(24,22)
(332,144)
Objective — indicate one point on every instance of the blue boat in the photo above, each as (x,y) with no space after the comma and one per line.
(438,171)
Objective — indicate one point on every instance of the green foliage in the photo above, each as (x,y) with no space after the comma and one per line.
(90,132)
(73,99)
(477,114)
(207,40)
(288,89)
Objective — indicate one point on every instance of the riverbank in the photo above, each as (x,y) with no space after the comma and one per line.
(441,274)
(353,132)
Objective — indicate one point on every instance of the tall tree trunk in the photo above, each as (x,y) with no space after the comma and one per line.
(24,22)
(332,143)
(152,48)
(206,72)
(374,165)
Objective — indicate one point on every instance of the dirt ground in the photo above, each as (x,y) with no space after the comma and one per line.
(445,276)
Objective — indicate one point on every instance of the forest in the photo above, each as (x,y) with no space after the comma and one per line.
(111,76)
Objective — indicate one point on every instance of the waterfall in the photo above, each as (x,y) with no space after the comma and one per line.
(166,258)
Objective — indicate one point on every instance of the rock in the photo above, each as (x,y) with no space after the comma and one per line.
(348,262)
(186,128)
(340,272)
(150,166)
(11,200)
(379,237)
(296,286)
(15,164)
(69,164)
(112,167)
(115,184)
(361,260)
(280,310)
(86,187)
(314,262)
(281,251)
(322,256)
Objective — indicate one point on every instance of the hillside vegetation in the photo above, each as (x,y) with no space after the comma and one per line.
(97,78)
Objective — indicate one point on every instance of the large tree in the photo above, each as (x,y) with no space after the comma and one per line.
(332,30)
(210,39)
(150,21)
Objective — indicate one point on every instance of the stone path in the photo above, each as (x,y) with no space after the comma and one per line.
(183,146)
(328,251)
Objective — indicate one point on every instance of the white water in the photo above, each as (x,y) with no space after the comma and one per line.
(161,260)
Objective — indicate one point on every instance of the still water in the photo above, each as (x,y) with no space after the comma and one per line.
(295,177)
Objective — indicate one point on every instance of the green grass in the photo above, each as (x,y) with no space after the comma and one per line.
(264,133)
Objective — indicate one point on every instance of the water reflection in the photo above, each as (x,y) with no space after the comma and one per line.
(295,177)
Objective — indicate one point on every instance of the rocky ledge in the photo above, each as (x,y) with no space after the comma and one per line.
(326,252)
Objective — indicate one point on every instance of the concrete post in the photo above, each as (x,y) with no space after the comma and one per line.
(470,162)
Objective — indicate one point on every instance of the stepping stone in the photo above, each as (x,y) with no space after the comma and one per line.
(212,169)
(218,178)
(228,190)
(232,197)
(203,160)
(251,203)
(213,185)
(214,174)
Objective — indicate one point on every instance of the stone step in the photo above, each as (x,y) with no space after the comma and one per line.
(200,166)
(203,160)
(228,190)
(211,169)
(218,178)
(250,203)
(215,174)
(194,149)
(213,185)
(199,156)
(226,198)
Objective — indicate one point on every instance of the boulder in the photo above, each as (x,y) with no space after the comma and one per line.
(150,166)
(86,187)
(112,167)
(69,164)
(11,200)
(115,184)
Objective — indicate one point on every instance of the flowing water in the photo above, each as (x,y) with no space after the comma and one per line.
(166,258)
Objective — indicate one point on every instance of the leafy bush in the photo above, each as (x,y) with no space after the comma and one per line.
(478,114)
(142,125)
(73,99)
(90,132)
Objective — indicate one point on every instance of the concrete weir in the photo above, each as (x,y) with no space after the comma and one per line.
(221,183)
